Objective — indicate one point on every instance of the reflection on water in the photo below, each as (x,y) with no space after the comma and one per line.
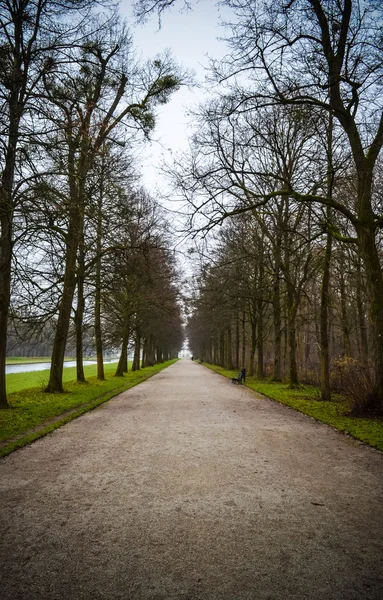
(43,366)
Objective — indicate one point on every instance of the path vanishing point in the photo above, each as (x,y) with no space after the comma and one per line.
(189,488)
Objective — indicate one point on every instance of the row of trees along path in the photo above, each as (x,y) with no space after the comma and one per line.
(75,103)
(289,149)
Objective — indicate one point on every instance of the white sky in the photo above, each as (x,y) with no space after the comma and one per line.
(192,37)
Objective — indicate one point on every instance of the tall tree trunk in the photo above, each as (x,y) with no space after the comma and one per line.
(6,217)
(6,231)
(222,348)
(364,350)
(277,327)
(98,333)
(293,370)
(292,337)
(229,359)
(151,347)
(345,327)
(374,278)
(366,225)
(149,358)
(291,307)
(97,330)
(159,355)
(55,383)
(210,352)
(144,362)
(97,299)
(324,337)
(285,339)
(79,314)
(18,81)
(253,346)
(325,289)
(277,313)
(260,358)
(77,172)
(243,336)
(122,366)
(137,352)
(260,355)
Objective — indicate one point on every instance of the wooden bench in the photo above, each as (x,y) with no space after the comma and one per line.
(241,376)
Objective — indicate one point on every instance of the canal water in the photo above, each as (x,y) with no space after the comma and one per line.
(23,368)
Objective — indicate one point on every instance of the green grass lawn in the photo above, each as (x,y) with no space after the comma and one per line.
(31,407)
(306,399)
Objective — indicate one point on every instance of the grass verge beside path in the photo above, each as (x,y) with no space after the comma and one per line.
(306,400)
(35,413)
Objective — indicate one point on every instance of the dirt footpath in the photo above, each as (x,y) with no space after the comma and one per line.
(188,487)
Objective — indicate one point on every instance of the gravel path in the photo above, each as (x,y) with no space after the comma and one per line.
(187,487)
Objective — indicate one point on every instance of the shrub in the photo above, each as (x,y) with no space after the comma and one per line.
(355,381)
(311,377)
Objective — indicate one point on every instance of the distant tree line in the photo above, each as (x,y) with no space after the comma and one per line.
(83,249)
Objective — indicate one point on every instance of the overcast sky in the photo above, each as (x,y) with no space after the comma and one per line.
(192,37)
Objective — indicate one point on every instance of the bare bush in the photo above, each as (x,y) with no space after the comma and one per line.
(355,381)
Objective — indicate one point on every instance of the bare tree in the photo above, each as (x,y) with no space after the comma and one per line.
(29,33)
(94,97)
(336,53)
